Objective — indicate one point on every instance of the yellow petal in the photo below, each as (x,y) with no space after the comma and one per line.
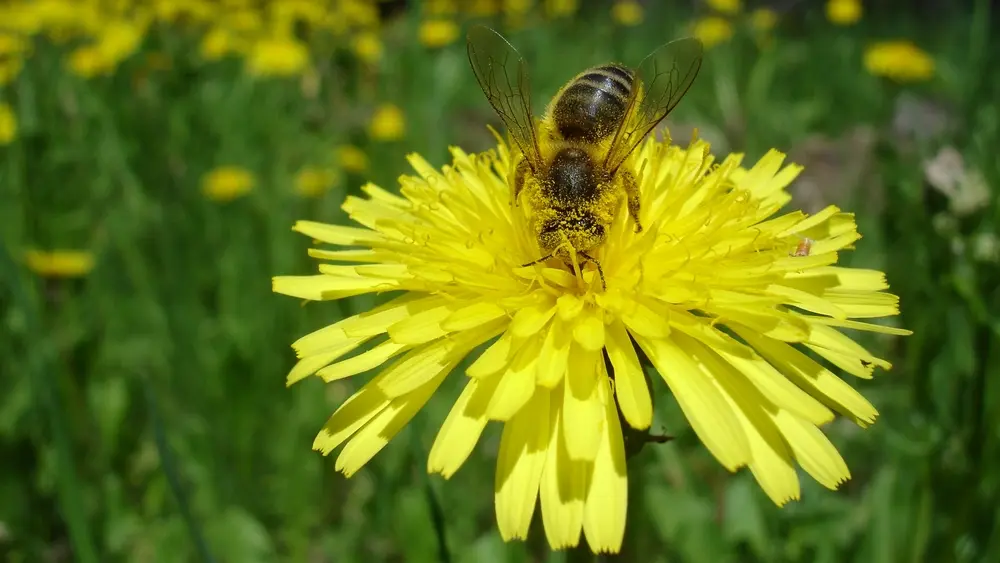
(630,380)
(420,364)
(862,305)
(588,332)
(580,409)
(378,320)
(607,500)
(337,234)
(350,416)
(323,288)
(520,461)
(363,362)
(569,306)
(554,356)
(421,327)
(818,280)
(813,451)
(472,316)
(494,358)
(383,427)
(462,428)
(517,385)
(311,364)
(643,321)
(778,389)
(808,301)
(770,322)
(771,460)
(563,489)
(530,320)
(843,352)
(811,376)
(703,405)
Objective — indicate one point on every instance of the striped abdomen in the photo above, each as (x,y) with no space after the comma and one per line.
(593,105)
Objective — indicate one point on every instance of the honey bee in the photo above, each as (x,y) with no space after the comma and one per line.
(570,163)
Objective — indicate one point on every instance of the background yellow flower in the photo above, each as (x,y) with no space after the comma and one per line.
(227,183)
(843,12)
(59,263)
(899,60)
(627,12)
(387,123)
(8,124)
(438,32)
(713,30)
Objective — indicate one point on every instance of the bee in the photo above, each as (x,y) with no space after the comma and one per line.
(570,168)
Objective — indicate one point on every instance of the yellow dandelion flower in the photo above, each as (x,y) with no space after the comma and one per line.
(352,159)
(440,7)
(242,21)
(843,12)
(728,7)
(900,60)
(88,61)
(10,68)
(627,12)
(119,40)
(194,11)
(438,32)
(59,263)
(388,123)
(226,183)
(314,182)
(13,45)
(716,291)
(713,30)
(218,43)
(277,56)
(561,8)
(8,124)
(367,45)
(763,19)
(357,13)
(483,8)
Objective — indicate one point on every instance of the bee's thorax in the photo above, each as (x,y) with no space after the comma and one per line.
(572,176)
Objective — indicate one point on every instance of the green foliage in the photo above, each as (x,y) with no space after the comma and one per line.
(143,413)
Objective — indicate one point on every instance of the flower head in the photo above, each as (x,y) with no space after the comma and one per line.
(900,60)
(387,123)
(59,263)
(438,32)
(627,12)
(8,124)
(724,297)
(226,183)
(843,12)
(278,56)
(713,30)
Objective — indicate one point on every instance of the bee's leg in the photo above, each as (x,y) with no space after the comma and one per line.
(540,260)
(520,175)
(632,192)
(600,270)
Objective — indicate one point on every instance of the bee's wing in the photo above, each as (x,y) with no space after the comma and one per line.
(503,75)
(665,76)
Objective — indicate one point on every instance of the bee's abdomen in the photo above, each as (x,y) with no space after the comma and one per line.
(594,104)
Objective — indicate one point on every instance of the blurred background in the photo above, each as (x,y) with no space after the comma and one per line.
(154,155)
